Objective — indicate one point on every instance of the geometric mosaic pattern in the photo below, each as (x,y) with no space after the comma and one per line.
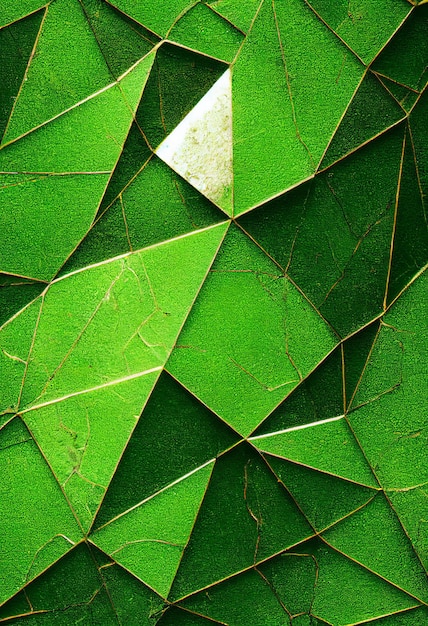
(213,312)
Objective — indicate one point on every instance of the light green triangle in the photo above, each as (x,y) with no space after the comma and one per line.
(328,446)
(36,525)
(67,67)
(289,93)
(12,11)
(118,319)
(132,83)
(149,540)
(89,137)
(65,205)
(83,438)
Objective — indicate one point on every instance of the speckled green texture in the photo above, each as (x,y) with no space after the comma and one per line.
(204,30)
(260,308)
(365,26)
(213,332)
(37,540)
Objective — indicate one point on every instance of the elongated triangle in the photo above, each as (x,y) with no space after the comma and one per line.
(328,446)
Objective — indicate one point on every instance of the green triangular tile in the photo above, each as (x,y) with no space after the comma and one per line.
(292,578)
(366,26)
(149,462)
(375,538)
(224,602)
(206,31)
(287,100)
(356,351)
(93,428)
(134,603)
(59,75)
(34,538)
(11,11)
(64,593)
(405,96)
(323,498)
(69,354)
(404,58)
(88,137)
(328,446)
(156,206)
(410,245)
(318,397)
(264,353)
(387,419)
(410,507)
(369,596)
(241,14)
(246,516)
(333,235)
(26,248)
(15,293)
(147,534)
(176,616)
(134,155)
(371,111)
(16,45)
(16,337)
(146,13)
(178,81)
(122,40)
(417,122)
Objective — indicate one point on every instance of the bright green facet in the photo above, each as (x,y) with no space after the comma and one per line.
(262,341)
(213,248)
(31,541)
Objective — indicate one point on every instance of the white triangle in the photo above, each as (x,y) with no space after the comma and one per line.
(200,147)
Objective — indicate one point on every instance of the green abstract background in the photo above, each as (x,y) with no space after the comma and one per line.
(213,369)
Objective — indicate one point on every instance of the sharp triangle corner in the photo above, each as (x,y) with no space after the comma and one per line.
(200,148)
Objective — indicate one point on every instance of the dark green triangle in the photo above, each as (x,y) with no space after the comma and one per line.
(404,59)
(64,592)
(179,79)
(356,349)
(293,578)
(134,154)
(410,246)
(133,602)
(156,206)
(243,600)
(15,293)
(176,616)
(371,111)
(405,97)
(318,397)
(245,517)
(165,445)
(323,498)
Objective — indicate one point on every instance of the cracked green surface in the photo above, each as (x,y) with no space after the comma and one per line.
(213,388)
